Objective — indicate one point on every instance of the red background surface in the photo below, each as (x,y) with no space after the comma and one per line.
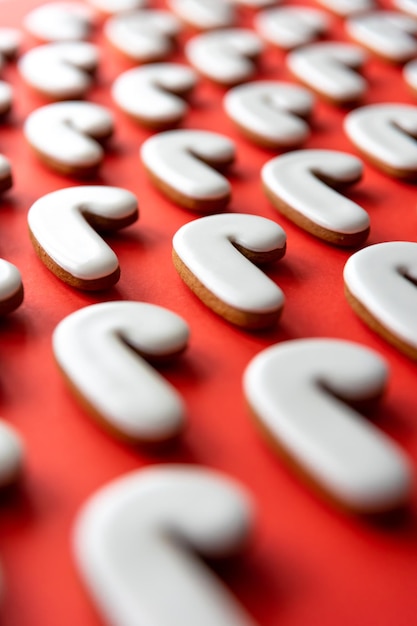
(307,563)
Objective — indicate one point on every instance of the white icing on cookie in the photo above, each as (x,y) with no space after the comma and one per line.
(11,287)
(271,112)
(143,36)
(256,4)
(61,70)
(329,68)
(6,180)
(59,21)
(300,391)
(407,6)
(225,56)
(10,40)
(101,350)
(214,248)
(181,163)
(204,14)
(388,34)
(62,225)
(65,135)
(137,538)
(382,288)
(290,27)
(111,7)
(298,185)
(410,74)
(386,133)
(152,94)
(6,98)
(344,8)
(11,455)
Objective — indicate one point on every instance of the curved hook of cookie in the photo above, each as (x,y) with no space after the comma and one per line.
(381,287)
(59,21)
(65,136)
(136,542)
(300,392)
(204,14)
(143,36)
(386,134)
(61,227)
(225,56)
(181,162)
(209,255)
(299,185)
(101,351)
(290,27)
(60,71)
(388,34)
(11,287)
(270,113)
(330,69)
(154,94)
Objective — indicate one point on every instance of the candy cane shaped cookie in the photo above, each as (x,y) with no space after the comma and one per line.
(300,392)
(111,7)
(225,56)
(11,287)
(386,135)
(270,113)
(61,226)
(406,6)
(389,35)
(291,27)
(209,255)
(381,287)
(330,69)
(299,184)
(101,351)
(137,541)
(153,95)
(181,162)
(143,36)
(66,135)
(344,8)
(60,21)
(204,14)
(60,70)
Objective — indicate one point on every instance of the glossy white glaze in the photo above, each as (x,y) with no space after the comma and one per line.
(144,36)
(137,538)
(295,178)
(300,391)
(272,111)
(60,70)
(330,68)
(59,221)
(152,93)
(386,133)
(10,280)
(98,349)
(59,21)
(204,14)
(177,158)
(291,26)
(225,56)
(206,247)
(344,8)
(65,133)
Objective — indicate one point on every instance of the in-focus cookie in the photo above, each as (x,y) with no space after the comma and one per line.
(155,95)
(143,36)
(381,287)
(62,227)
(104,352)
(385,134)
(272,114)
(330,69)
(300,185)
(181,164)
(227,56)
(66,136)
(61,70)
(216,255)
(301,394)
